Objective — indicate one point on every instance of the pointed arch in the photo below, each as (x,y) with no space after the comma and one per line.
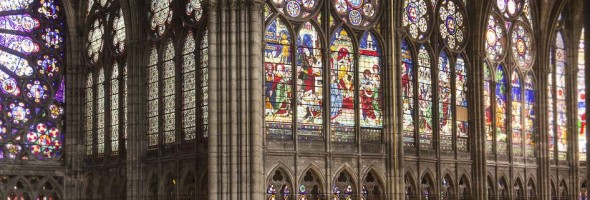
(345,184)
(488,109)
(557,97)
(519,191)
(529,115)
(461,105)
(169,185)
(427,187)
(342,80)
(464,188)
(370,72)
(410,187)
(425,97)
(503,187)
(188,188)
(447,187)
(408,86)
(279,184)
(445,119)
(153,186)
(531,189)
(311,184)
(20,189)
(553,191)
(491,187)
(501,104)
(373,187)
(563,190)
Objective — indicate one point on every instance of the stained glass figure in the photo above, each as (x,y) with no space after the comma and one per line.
(501,89)
(416,18)
(445,107)
(526,10)
(425,126)
(159,16)
(529,116)
(309,82)
(522,44)
(204,57)
(516,109)
(358,13)
(342,78)
(278,75)
(370,93)
(509,8)
(581,105)
(188,88)
(152,100)
(560,97)
(169,80)
(114,95)
(461,106)
(407,89)
(495,39)
(451,26)
(297,9)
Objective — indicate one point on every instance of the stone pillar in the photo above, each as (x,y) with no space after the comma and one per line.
(235,99)
(476,51)
(74,122)
(395,185)
(135,15)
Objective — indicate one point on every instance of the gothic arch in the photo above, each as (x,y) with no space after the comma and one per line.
(464,187)
(372,185)
(410,188)
(503,187)
(447,186)
(312,181)
(345,183)
(284,168)
(531,189)
(153,186)
(169,185)
(491,187)
(20,187)
(427,186)
(563,189)
(520,190)
(188,184)
(279,183)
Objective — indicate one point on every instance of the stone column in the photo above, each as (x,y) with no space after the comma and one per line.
(135,14)
(476,52)
(235,100)
(74,124)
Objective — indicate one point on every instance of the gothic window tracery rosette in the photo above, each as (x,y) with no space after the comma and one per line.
(522,46)
(297,9)
(95,39)
(160,15)
(509,8)
(31,82)
(495,42)
(416,18)
(452,24)
(194,11)
(359,14)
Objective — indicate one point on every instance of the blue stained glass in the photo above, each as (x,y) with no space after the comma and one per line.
(33,81)
(342,86)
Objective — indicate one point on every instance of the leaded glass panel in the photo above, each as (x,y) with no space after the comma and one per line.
(342,99)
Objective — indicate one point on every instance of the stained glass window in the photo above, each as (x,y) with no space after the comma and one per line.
(194,10)
(95,40)
(124,105)
(416,18)
(529,115)
(445,107)
(119,32)
(509,8)
(205,83)
(188,88)
(425,126)
(560,97)
(342,89)
(160,15)
(495,39)
(352,87)
(489,113)
(501,88)
(407,77)
(551,111)
(357,12)
(169,93)
(521,46)
(309,82)
(451,24)
(371,104)
(462,114)
(153,101)
(581,96)
(89,111)
(100,111)
(277,67)
(516,109)
(114,95)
